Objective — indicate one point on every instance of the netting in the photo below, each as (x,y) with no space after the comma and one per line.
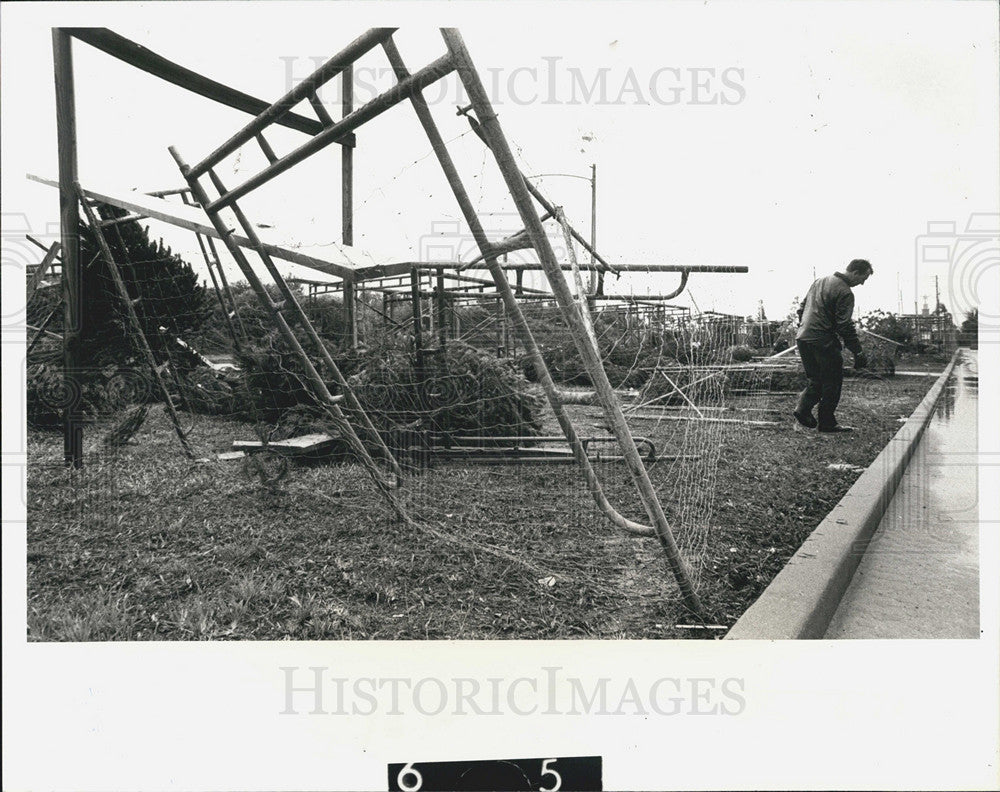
(443,374)
(433,370)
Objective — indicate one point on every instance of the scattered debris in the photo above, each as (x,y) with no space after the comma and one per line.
(701,627)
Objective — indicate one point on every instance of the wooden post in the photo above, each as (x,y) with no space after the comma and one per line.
(351,308)
(347,160)
(347,200)
(62,56)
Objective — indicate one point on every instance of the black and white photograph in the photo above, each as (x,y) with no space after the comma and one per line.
(480,396)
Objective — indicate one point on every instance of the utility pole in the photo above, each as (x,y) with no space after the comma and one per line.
(599,288)
(593,210)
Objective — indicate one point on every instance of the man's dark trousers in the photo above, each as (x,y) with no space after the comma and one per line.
(824,367)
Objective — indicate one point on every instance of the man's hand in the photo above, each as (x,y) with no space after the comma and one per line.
(860,361)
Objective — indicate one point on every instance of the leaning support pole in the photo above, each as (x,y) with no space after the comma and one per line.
(509,302)
(227,312)
(133,319)
(374,438)
(591,356)
(318,386)
(69,217)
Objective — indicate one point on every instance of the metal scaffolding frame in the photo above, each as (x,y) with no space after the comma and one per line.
(343,407)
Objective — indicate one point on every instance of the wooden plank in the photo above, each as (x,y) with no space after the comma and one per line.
(659,417)
(148,61)
(193,219)
(292,447)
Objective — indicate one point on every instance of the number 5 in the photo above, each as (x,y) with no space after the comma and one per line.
(545,772)
(418,780)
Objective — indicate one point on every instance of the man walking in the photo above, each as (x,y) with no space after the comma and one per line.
(824,315)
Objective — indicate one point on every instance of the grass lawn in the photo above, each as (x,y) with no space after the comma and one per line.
(144,544)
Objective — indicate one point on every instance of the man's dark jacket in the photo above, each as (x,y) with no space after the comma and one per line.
(826,313)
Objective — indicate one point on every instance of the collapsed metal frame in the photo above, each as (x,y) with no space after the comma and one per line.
(408,87)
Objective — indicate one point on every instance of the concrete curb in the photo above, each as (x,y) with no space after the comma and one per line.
(801,600)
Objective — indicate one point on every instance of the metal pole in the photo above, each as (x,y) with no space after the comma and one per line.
(597,283)
(500,324)
(72,273)
(418,342)
(510,302)
(329,402)
(591,356)
(593,210)
(442,326)
(140,338)
(215,284)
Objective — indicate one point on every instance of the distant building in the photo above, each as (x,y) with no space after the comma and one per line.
(931,329)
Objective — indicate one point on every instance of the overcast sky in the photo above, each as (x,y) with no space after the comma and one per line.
(788,138)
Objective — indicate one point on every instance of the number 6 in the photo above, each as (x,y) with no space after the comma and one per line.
(418,782)
(545,772)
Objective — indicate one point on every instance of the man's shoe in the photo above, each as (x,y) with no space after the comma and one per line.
(806,419)
(836,429)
